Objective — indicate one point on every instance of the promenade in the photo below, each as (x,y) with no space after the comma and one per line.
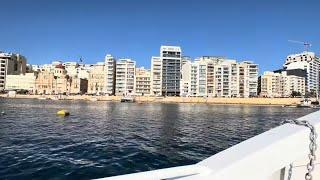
(146,99)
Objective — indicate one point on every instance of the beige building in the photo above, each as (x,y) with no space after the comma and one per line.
(96,81)
(44,83)
(142,82)
(156,76)
(11,64)
(21,82)
(281,84)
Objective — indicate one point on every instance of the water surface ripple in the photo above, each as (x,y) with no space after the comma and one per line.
(102,139)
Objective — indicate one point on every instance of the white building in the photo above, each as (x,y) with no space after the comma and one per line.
(11,64)
(125,77)
(211,76)
(156,76)
(194,79)
(110,70)
(248,79)
(25,81)
(307,61)
(171,65)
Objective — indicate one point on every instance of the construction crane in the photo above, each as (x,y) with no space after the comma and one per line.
(305,44)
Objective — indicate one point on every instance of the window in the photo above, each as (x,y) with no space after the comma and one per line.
(15,68)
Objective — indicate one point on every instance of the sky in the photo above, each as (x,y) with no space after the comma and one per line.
(257,30)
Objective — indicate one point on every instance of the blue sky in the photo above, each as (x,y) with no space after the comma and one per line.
(47,30)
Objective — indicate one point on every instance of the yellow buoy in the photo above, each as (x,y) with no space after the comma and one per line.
(63,113)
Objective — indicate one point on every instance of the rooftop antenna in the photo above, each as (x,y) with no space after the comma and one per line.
(305,44)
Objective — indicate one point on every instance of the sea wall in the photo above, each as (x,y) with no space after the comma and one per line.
(210,100)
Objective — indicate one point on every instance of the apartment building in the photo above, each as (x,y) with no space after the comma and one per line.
(110,71)
(306,61)
(281,84)
(11,64)
(156,76)
(248,79)
(226,79)
(97,78)
(171,65)
(142,82)
(125,77)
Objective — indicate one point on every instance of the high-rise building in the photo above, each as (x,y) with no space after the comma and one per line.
(110,70)
(226,79)
(125,77)
(248,79)
(306,61)
(142,82)
(156,76)
(11,64)
(171,65)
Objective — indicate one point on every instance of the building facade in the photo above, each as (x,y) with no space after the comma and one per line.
(97,78)
(26,82)
(248,79)
(309,62)
(281,84)
(142,82)
(156,76)
(171,65)
(11,64)
(110,71)
(125,77)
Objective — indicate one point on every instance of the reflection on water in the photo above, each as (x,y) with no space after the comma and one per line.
(102,139)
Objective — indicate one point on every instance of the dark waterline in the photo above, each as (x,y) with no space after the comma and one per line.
(102,139)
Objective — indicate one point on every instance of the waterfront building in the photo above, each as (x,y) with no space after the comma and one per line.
(194,79)
(78,85)
(248,79)
(11,64)
(185,82)
(306,61)
(45,82)
(96,80)
(281,84)
(271,84)
(156,76)
(226,79)
(110,73)
(171,65)
(26,82)
(213,76)
(142,82)
(125,77)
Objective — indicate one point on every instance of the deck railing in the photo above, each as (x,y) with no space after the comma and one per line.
(263,157)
